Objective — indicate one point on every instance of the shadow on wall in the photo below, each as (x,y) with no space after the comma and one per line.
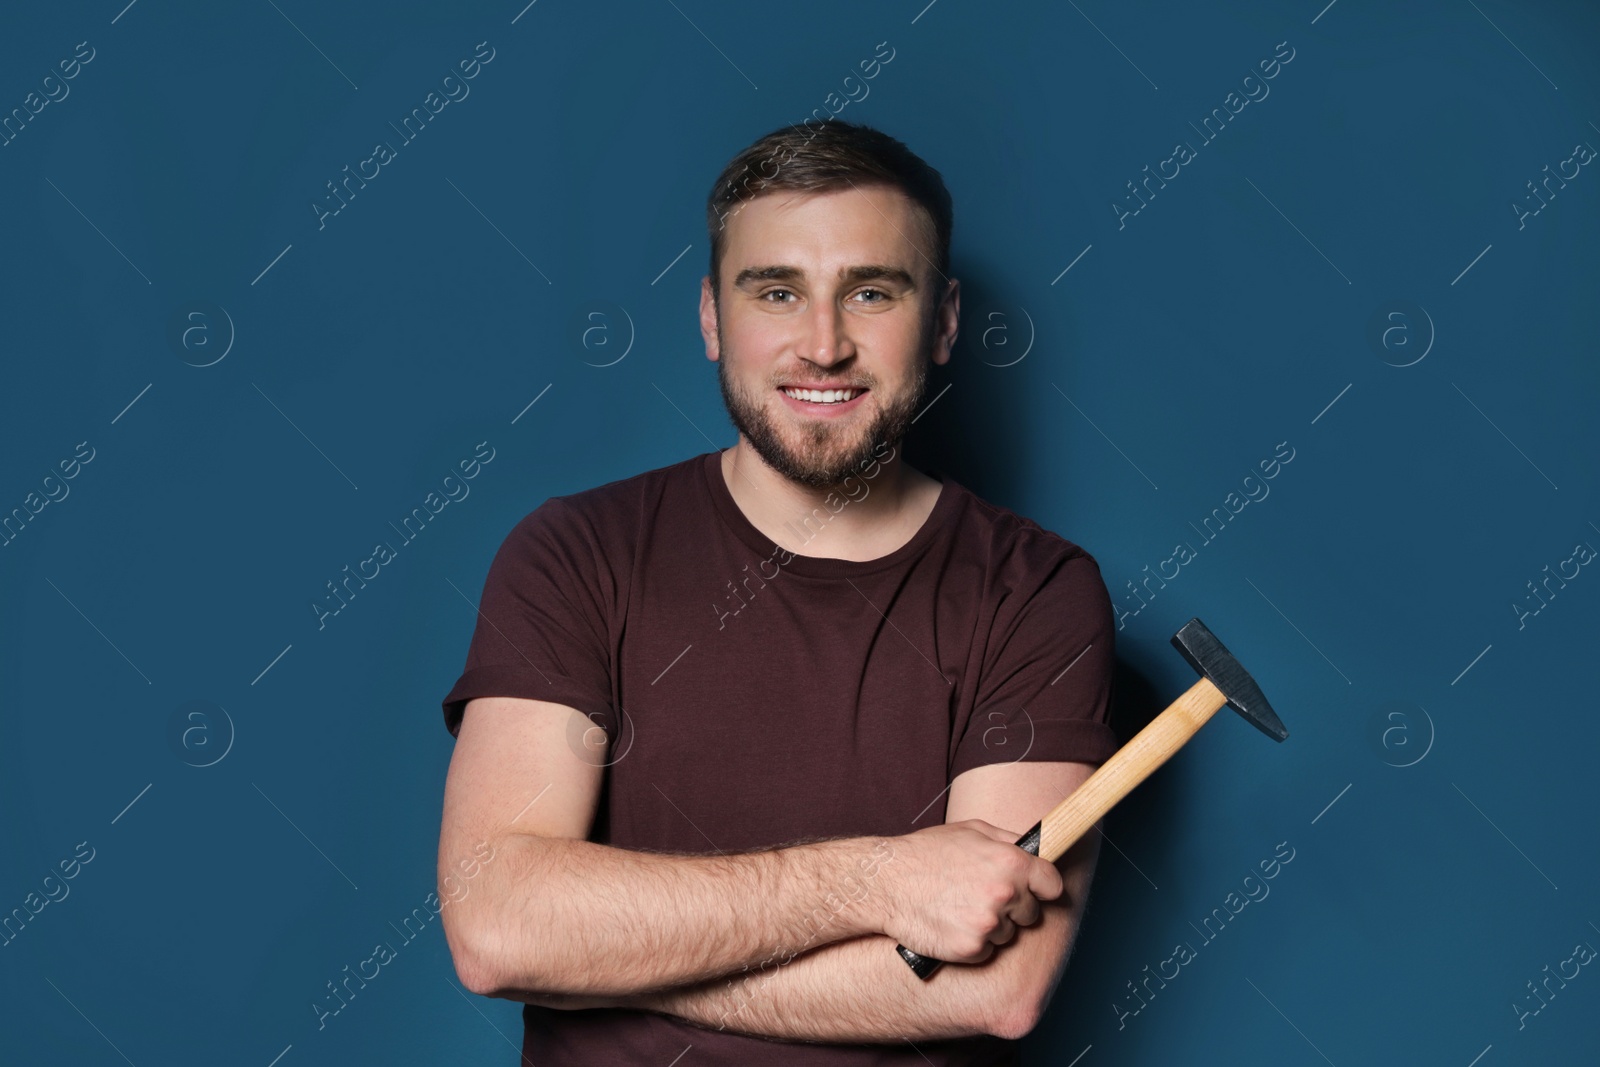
(1149,826)
(976,431)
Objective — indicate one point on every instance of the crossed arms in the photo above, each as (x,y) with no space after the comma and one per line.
(791,943)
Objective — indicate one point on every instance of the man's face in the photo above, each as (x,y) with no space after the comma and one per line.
(828,291)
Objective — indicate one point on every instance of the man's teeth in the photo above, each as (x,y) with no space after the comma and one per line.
(824,396)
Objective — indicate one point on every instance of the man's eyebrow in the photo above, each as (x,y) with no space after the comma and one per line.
(766,274)
(876,272)
(864,273)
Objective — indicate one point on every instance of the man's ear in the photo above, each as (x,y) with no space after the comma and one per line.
(708,319)
(946,322)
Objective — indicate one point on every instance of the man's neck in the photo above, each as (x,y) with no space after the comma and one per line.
(863,519)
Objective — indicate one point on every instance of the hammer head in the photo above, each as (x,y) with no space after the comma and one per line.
(1208,656)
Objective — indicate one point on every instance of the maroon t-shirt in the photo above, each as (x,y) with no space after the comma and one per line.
(754,697)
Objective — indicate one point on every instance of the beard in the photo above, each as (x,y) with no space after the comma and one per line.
(820,453)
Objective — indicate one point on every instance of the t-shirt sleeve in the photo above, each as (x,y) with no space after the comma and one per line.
(541,629)
(1045,691)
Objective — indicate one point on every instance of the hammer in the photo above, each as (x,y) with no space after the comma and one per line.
(1222,681)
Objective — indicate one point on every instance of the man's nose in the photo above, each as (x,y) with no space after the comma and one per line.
(827,339)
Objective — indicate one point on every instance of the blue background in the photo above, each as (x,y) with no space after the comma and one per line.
(1435,788)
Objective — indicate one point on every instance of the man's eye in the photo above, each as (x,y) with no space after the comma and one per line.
(873,292)
(776,292)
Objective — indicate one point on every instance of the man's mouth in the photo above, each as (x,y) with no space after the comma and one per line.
(822,396)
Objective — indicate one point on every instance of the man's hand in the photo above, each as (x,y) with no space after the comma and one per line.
(957,890)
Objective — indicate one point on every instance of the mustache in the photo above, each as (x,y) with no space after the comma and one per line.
(826,384)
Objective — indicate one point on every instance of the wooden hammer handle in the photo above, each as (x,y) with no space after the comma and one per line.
(1130,765)
(1069,820)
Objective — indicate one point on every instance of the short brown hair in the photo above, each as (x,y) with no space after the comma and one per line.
(832,155)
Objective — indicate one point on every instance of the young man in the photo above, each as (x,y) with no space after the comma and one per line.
(731,729)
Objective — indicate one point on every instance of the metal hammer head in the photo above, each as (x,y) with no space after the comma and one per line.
(1208,656)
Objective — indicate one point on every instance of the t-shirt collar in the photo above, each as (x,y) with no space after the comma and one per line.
(741,527)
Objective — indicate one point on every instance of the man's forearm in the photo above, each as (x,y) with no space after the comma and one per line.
(561,916)
(860,990)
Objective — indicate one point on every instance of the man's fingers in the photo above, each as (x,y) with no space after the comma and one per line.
(993,832)
(1044,881)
